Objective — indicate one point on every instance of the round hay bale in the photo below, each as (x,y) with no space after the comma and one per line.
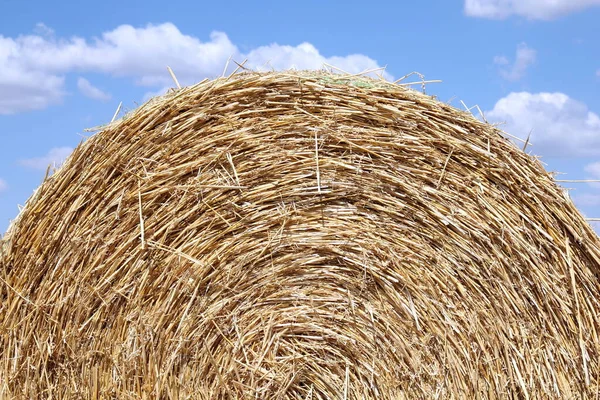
(299,236)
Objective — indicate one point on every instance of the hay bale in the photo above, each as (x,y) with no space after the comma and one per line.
(299,235)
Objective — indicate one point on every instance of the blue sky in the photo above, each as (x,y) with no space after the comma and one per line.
(532,64)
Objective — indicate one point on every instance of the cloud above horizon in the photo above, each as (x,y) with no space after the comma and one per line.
(34,67)
(90,91)
(560,126)
(54,158)
(530,9)
(524,58)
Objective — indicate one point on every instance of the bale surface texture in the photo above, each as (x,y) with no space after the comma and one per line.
(299,236)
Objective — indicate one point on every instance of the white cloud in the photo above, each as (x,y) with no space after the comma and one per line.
(593,169)
(22,90)
(33,67)
(54,158)
(306,56)
(587,200)
(501,60)
(531,9)
(3,185)
(560,126)
(155,93)
(524,58)
(43,30)
(89,90)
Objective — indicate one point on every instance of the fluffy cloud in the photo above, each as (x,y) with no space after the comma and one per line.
(43,30)
(501,60)
(524,58)
(593,173)
(532,9)
(587,200)
(33,67)
(154,93)
(22,90)
(89,90)
(54,158)
(560,126)
(593,169)
(3,185)
(306,56)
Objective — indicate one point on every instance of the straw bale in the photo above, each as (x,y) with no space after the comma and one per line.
(299,235)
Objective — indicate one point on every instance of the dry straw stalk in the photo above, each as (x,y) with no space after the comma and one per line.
(299,236)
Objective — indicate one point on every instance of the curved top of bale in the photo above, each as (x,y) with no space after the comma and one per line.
(299,235)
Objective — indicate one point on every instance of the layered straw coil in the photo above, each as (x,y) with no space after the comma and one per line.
(299,235)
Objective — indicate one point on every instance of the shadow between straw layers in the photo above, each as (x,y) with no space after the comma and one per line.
(299,236)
